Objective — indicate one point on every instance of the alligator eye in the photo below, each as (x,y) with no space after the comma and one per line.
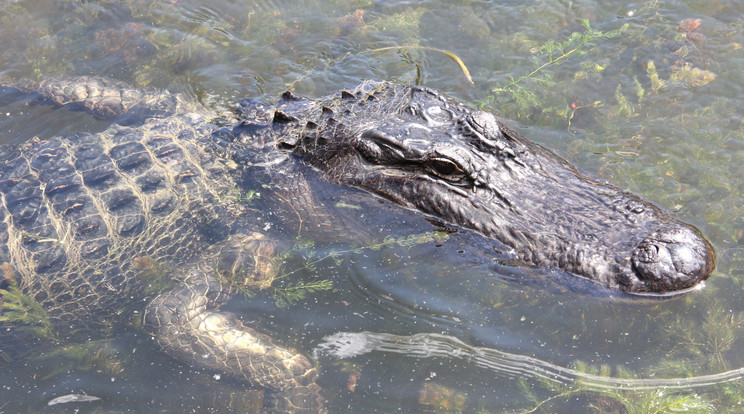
(446,169)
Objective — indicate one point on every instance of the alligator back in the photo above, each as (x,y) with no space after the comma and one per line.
(76,212)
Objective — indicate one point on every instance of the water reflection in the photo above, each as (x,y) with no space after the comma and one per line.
(641,110)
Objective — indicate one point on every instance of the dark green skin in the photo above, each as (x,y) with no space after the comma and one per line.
(80,215)
(85,218)
(427,152)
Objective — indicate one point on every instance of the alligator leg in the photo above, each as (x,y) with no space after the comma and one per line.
(187,322)
(105,98)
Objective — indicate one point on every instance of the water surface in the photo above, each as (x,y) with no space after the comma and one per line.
(648,98)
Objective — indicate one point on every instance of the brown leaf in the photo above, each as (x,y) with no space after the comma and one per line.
(351,383)
(689,25)
(8,273)
(437,395)
(696,37)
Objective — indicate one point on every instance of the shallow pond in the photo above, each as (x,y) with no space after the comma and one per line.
(645,94)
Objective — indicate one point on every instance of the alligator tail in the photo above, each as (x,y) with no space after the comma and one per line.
(102,98)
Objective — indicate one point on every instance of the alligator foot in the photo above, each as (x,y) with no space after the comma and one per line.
(187,322)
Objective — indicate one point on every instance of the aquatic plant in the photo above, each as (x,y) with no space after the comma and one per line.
(153,274)
(20,311)
(610,400)
(454,57)
(99,355)
(550,53)
(288,293)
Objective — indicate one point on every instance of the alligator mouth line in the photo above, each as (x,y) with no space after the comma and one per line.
(391,171)
(669,294)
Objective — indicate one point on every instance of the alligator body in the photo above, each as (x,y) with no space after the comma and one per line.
(79,214)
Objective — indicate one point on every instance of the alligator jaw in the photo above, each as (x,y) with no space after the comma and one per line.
(423,150)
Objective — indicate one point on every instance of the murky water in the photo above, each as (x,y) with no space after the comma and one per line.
(648,98)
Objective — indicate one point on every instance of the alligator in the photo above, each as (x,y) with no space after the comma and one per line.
(80,213)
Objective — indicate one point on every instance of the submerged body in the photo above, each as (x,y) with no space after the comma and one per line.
(82,216)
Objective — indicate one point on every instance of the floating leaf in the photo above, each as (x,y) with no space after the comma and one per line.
(69,398)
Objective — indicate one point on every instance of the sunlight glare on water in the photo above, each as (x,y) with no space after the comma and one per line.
(646,95)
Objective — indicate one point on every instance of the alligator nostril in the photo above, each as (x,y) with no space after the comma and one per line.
(673,258)
(647,253)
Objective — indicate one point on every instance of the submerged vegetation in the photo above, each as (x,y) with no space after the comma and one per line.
(19,312)
(288,288)
(612,401)
(641,94)
(523,89)
(101,356)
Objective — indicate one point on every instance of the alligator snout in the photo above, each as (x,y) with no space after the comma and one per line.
(672,259)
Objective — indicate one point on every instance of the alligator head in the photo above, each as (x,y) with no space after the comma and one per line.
(423,150)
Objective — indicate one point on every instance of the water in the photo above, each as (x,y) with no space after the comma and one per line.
(655,108)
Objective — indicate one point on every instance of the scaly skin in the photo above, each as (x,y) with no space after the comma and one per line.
(75,211)
(76,214)
(425,151)
(189,326)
